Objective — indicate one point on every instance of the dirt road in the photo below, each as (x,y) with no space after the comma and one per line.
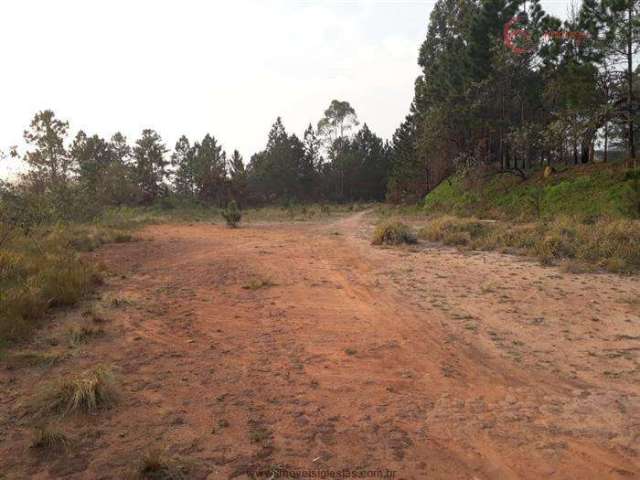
(302,346)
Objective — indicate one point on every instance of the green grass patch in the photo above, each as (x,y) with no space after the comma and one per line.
(585,192)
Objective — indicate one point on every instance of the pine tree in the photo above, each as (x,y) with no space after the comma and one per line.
(149,165)
(182,160)
(48,158)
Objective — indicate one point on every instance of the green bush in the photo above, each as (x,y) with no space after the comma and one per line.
(232,214)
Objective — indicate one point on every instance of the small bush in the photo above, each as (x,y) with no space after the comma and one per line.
(88,392)
(393,233)
(232,214)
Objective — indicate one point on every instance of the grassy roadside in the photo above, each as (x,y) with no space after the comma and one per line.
(585,218)
(44,269)
(128,217)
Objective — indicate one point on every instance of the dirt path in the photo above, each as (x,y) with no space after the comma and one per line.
(423,360)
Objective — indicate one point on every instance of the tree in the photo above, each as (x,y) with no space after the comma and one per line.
(339,119)
(620,23)
(92,157)
(48,159)
(149,165)
(182,160)
(408,174)
(210,173)
(238,175)
(275,173)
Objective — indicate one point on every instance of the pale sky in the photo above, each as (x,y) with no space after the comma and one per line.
(192,67)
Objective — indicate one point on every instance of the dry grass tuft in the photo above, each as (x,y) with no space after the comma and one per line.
(30,358)
(393,233)
(49,438)
(84,333)
(156,466)
(88,392)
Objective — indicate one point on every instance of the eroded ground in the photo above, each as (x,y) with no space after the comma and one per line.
(303,346)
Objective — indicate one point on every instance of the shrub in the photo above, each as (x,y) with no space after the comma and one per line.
(232,214)
(393,233)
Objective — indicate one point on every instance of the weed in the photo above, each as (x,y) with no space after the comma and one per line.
(258,432)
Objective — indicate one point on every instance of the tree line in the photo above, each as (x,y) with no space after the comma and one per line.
(331,162)
(506,86)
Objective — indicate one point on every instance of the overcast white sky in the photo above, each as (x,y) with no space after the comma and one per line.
(224,67)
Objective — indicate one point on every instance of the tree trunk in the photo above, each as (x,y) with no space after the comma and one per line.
(632,147)
(606,142)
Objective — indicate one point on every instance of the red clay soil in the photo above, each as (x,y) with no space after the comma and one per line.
(303,347)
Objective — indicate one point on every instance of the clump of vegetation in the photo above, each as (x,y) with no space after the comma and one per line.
(393,233)
(454,231)
(232,214)
(87,392)
(156,466)
(49,438)
(84,333)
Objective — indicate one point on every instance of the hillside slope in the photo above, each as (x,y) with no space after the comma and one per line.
(586,192)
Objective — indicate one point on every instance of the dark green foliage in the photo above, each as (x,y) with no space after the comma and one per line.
(232,214)
(149,165)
